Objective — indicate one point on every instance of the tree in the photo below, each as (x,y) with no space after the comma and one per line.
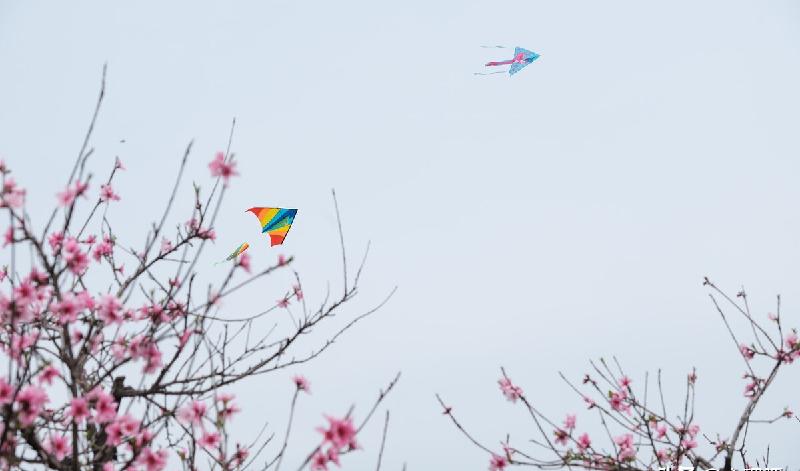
(108,369)
(641,434)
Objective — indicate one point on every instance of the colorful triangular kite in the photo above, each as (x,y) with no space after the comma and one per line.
(275,221)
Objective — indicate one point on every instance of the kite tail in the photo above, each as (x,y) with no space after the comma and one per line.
(493,64)
(493,47)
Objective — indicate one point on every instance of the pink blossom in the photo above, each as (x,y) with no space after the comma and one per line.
(747,352)
(589,402)
(107,193)
(663,455)
(31,400)
(67,309)
(225,397)
(511,392)
(298,292)
(108,466)
(58,445)
(152,461)
(751,389)
(121,427)
(13,196)
(244,262)
(209,440)
(661,431)
(143,438)
(561,437)
(67,197)
(114,434)
(302,384)
(8,238)
(207,234)
(569,422)
(77,262)
(692,377)
(626,450)
(689,443)
(105,408)
(281,260)
(241,454)
(119,349)
(772,317)
(497,463)
(227,411)
(333,455)
(319,462)
(792,341)
(152,359)
(625,381)
(6,392)
(693,430)
(184,337)
(78,409)
(340,433)
(283,302)
(166,246)
(193,413)
(48,374)
(103,249)
(618,403)
(109,309)
(55,240)
(786,411)
(584,442)
(220,168)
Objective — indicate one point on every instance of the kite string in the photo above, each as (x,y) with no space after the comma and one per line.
(494,47)
(490,73)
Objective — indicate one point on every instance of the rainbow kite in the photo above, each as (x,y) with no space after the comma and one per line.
(275,221)
(239,250)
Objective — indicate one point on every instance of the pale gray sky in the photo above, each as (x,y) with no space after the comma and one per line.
(533,222)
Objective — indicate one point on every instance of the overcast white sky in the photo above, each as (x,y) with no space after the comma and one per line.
(533,222)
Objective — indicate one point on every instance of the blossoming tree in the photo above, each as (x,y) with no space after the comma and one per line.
(104,367)
(640,434)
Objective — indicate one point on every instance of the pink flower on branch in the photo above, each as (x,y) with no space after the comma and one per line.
(48,374)
(78,409)
(6,392)
(244,262)
(340,433)
(497,463)
(319,462)
(107,194)
(67,197)
(193,413)
(30,402)
(220,168)
(302,384)
(569,422)
(511,392)
(209,440)
(584,442)
(58,445)
(151,460)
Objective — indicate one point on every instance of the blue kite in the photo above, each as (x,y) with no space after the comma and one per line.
(522,58)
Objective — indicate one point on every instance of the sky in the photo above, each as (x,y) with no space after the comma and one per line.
(533,222)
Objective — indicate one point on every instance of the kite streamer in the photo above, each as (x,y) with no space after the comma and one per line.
(239,250)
